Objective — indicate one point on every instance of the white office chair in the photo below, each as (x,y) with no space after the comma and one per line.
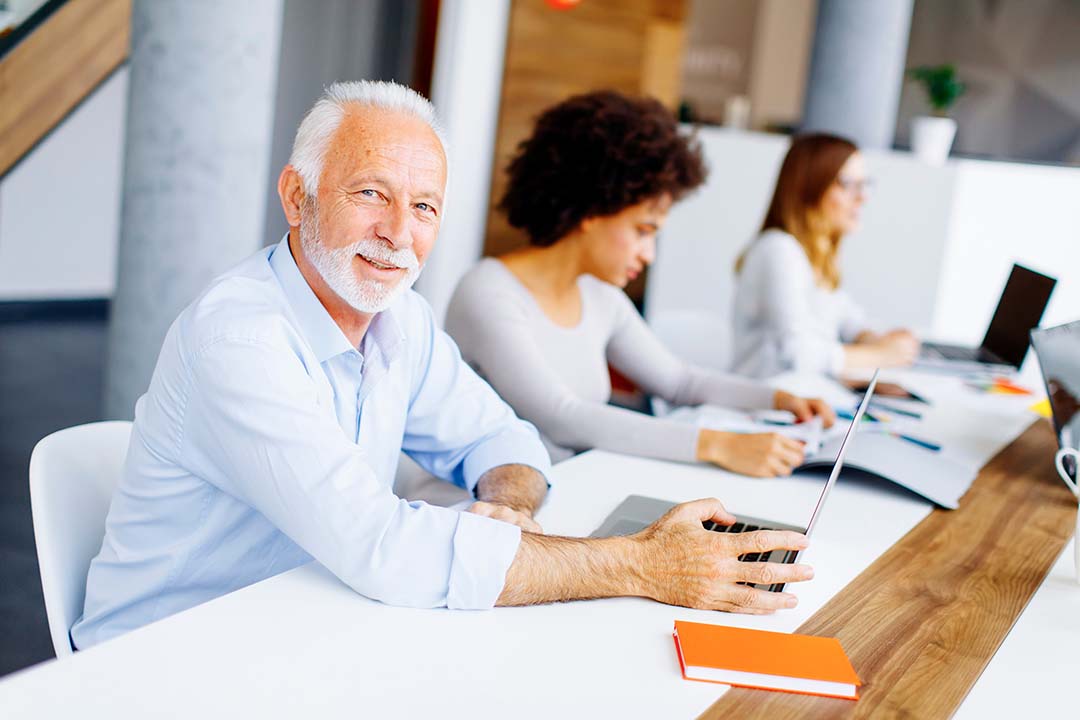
(73,473)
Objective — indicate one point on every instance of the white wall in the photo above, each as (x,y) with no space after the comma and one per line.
(892,264)
(934,251)
(704,234)
(60,205)
(1005,213)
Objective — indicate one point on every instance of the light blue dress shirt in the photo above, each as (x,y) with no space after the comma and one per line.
(266,440)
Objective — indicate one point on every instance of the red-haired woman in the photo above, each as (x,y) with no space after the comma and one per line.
(790,312)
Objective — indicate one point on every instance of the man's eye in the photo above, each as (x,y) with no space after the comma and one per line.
(425,207)
(369,193)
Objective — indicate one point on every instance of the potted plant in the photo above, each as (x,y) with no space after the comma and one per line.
(932,136)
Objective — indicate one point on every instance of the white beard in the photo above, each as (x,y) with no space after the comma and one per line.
(335,265)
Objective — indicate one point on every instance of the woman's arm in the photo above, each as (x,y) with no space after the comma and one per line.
(496,336)
(635,351)
(866,348)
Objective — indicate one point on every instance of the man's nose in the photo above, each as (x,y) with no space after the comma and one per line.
(393,226)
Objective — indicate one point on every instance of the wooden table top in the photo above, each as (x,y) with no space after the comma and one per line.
(923,621)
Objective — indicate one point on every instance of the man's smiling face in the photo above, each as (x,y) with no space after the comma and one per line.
(378,207)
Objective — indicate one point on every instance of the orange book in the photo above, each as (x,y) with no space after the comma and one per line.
(766,660)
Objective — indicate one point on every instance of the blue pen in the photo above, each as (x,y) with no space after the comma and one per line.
(898,411)
(921,443)
(848,415)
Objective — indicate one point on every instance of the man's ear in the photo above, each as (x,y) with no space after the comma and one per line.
(291,191)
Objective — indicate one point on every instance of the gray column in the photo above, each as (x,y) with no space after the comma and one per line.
(857,69)
(200,114)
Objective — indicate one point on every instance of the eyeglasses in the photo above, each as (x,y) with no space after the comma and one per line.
(855,186)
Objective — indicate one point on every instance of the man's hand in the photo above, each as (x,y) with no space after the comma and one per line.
(511,493)
(506,514)
(756,454)
(685,564)
(675,560)
(804,408)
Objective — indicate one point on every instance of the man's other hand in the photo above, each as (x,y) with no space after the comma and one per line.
(506,514)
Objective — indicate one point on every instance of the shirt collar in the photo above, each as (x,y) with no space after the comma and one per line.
(320,330)
(322,333)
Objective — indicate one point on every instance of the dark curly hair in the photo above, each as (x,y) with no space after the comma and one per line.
(594,155)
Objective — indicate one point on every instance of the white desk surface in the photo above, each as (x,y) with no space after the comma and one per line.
(303,644)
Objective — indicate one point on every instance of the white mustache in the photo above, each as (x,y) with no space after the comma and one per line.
(404,258)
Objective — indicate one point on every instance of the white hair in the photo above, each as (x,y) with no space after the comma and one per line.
(322,121)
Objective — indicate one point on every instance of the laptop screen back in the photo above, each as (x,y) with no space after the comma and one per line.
(1019,310)
(1058,350)
(839,464)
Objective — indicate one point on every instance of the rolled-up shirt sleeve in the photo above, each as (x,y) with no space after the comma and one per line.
(255,426)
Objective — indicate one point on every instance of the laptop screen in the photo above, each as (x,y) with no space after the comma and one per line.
(1019,310)
(1058,350)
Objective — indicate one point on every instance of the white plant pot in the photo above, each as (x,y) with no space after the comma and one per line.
(932,138)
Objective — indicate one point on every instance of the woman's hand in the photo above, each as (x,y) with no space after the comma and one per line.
(899,348)
(896,348)
(758,454)
(804,408)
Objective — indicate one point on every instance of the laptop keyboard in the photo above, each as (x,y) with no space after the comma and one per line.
(952,352)
(778,556)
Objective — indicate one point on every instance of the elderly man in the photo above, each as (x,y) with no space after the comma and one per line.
(283,395)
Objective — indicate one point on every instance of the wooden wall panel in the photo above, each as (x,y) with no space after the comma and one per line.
(633,46)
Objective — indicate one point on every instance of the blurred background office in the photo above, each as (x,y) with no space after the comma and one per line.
(140,141)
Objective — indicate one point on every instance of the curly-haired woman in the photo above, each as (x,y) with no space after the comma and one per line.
(790,312)
(590,188)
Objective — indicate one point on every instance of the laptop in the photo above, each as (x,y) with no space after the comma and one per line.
(637,512)
(1058,351)
(1005,344)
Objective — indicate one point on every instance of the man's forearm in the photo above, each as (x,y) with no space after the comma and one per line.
(516,486)
(675,561)
(552,569)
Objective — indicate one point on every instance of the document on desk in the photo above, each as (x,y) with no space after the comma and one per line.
(920,469)
(884,449)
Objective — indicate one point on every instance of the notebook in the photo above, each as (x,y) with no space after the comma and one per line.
(766,660)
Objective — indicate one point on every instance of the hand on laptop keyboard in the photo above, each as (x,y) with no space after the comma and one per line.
(686,564)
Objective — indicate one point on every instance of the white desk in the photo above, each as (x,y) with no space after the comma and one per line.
(302,644)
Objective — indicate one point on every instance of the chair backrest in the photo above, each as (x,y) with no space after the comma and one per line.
(73,474)
(700,337)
